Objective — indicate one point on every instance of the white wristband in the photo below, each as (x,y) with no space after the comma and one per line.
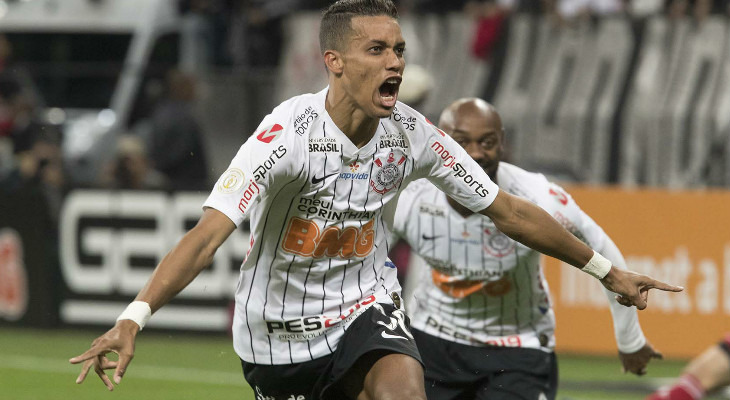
(598,266)
(138,311)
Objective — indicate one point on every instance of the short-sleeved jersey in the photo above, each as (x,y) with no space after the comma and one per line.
(483,288)
(318,247)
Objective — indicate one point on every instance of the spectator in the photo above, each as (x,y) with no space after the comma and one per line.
(131,169)
(257,31)
(176,143)
(205,25)
(39,167)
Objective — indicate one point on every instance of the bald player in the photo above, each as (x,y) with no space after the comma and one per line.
(482,318)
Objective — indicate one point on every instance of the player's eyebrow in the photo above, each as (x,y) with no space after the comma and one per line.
(482,134)
(383,43)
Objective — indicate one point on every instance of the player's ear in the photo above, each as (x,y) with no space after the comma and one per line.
(334,62)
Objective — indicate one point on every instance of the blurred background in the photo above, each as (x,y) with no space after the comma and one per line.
(116,118)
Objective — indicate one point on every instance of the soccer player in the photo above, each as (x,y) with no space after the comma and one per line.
(704,374)
(482,318)
(318,312)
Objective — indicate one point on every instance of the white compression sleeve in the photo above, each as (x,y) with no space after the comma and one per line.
(629,336)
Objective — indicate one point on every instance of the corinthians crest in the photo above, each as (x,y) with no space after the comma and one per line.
(388,175)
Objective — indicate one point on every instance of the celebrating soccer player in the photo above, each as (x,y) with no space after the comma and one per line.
(318,312)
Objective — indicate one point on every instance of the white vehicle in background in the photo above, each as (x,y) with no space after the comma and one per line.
(90,62)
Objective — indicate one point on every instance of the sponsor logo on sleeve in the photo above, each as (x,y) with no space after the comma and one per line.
(249,196)
(442,133)
(260,172)
(231,181)
(559,196)
(449,161)
(270,133)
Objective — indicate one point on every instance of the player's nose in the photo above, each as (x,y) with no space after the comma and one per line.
(393,62)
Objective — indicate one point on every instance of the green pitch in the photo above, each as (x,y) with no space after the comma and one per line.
(34,365)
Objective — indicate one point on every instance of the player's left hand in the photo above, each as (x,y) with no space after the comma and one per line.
(632,288)
(637,362)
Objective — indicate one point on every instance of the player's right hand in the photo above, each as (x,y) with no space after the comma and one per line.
(119,340)
(632,288)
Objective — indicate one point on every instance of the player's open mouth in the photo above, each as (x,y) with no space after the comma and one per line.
(389,91)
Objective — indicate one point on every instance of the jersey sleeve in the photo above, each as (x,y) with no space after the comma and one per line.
(564,209)
(448,166)
(264,162)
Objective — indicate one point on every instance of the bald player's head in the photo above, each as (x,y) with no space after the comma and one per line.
(477,127)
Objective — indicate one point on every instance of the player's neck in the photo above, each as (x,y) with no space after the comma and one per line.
(350,119)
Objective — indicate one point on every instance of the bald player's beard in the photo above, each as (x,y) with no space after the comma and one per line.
(491,170)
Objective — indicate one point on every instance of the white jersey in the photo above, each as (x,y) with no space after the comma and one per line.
(319,244)
(484,288)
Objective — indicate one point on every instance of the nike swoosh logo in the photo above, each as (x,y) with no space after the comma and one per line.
(316,180)
(389,336)
(424,237)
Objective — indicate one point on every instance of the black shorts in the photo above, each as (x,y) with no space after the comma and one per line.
(456,371)
(319,378)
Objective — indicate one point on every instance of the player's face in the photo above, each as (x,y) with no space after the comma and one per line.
(481,135)
(374,64)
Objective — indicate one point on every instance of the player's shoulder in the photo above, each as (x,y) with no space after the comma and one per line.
(411,123)
(299,113)
(518,181)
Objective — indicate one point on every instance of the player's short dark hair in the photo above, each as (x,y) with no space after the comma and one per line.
(336,21)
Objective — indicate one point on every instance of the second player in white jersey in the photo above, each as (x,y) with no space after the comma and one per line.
(483,288)
(315,203)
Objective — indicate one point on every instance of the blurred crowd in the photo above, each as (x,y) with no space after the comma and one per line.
(166,151)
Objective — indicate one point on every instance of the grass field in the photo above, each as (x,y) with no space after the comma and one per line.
(34,366)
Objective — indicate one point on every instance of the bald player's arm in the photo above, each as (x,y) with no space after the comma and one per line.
(532,226)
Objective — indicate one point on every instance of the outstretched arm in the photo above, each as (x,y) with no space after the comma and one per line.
(635,351)
(177,269)
(531,225)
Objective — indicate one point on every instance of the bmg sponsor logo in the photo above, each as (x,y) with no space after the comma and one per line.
(303,237)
